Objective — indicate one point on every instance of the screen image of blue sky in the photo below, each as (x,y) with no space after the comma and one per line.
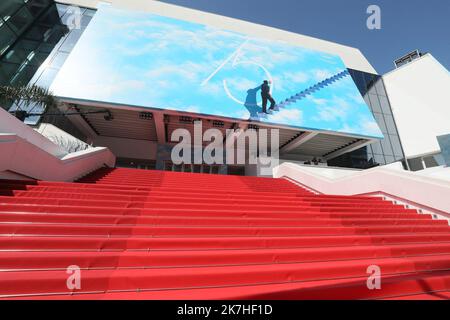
(141,59)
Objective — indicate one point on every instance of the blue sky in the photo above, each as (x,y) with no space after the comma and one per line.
(406,24)
(137,58)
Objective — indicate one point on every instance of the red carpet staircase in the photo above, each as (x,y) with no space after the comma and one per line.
(163,235)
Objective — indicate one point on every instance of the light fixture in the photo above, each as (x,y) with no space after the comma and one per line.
(146,115)
(218,124)
(108,116)
(184,119)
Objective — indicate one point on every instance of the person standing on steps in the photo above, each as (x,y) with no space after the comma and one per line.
(265,94)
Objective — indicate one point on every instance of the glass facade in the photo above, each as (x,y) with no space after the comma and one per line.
(444,144)
(35,40)
(431,161)
(29,31)
(389,149)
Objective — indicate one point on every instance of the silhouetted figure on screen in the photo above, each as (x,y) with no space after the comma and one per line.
(265,94)
(251,102)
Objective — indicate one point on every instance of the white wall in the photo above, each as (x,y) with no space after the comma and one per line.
(128,148)
(425,192)
(22,157)
(25,152)
(440,172)
(419,93)
(352,57)
(9,124)
(57,135)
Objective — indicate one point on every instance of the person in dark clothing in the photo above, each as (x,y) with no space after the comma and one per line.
(265,94)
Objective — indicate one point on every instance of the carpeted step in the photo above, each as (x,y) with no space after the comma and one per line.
(141,234)
(45,282)
(39,260)
(117,243)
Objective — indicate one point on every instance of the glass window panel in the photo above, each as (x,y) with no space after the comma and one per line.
(386,144)
(390,124)
(415,164)
(378,158)
(395,141)
(439,158)
(36,58)
(359,81)
(380,121)
(7,71)
(16,105)
(379,86)
(361,153)
(369,80)
(56,35)
(20,20)
(376,148)
(385,106)
(71,40)
(37,6)
(430,162)
(370,151)
(33,120)
(50,18)
(41,3)
(15,55)
(26,45)
(24,75)
(85,19)
(6,37)
(389,159)
(36,33)
(67,19)
(90,12)
(372,91)
(35,77)
(9,7)
(59,60)
(370,158)
(62,8)
(45,47)
(366,99)
(375,103)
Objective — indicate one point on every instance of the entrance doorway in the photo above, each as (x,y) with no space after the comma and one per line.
(192,168)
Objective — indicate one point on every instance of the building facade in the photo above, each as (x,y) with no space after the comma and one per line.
(387,150)
(419,94)
(40,36)
(37,36)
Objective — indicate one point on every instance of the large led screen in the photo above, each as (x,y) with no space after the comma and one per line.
(142,59)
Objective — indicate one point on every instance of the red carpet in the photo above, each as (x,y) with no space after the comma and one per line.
(139,234)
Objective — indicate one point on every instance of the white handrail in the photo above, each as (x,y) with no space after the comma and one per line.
(25,152)
(431,193)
